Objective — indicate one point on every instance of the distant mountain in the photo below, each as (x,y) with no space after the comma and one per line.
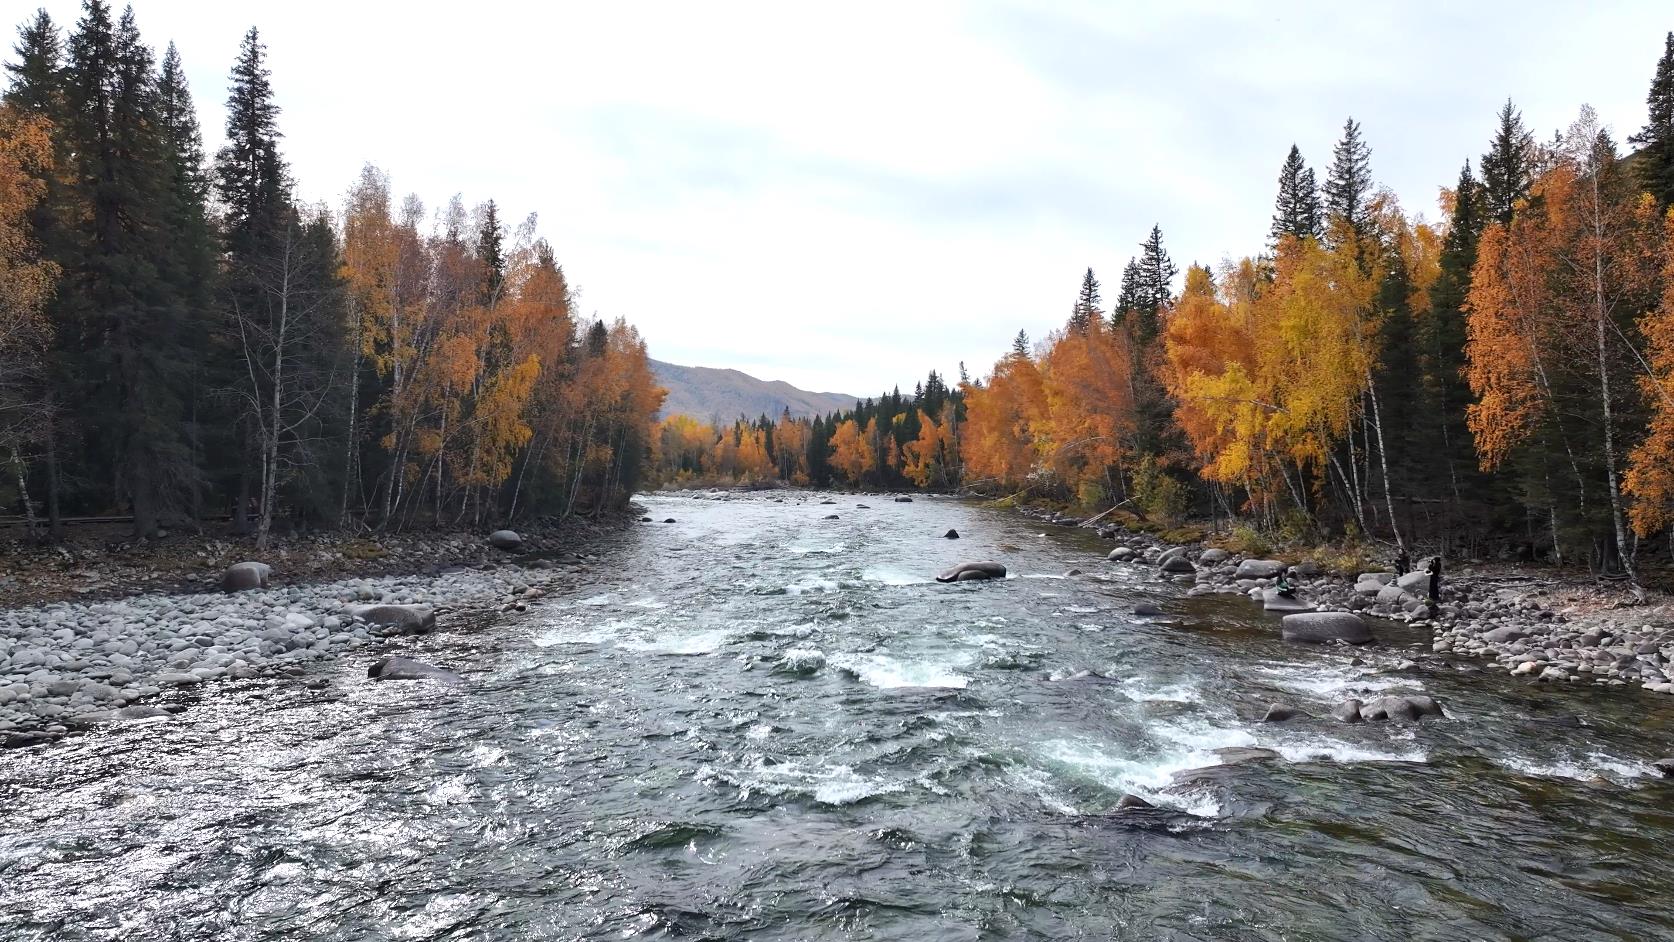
(703,392)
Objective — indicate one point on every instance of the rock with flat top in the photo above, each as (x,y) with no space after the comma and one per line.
(405,668)
(1272,601)
(1325,627)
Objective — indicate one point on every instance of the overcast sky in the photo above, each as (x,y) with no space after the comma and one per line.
(847,196)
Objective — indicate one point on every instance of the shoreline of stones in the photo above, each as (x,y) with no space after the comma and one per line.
(1472,620)
(72,665)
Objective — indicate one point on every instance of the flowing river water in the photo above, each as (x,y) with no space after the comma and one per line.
(757,723)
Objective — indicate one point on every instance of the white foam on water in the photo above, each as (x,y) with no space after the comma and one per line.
(581,631)
(812,584)
(484,755)
(831,784)
(1335,750)
(595,600)
(1332,683)
(702,642)
(802,660)
(818,550)
(1150,777)
(648,602)
(1593,765)
(893,577)
(1080,610)
(1146,690)
(759,732)
(887,673)
(449,791)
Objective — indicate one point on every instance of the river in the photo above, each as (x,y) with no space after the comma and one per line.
(757,723)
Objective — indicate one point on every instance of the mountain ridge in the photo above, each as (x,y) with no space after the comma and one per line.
(706,392)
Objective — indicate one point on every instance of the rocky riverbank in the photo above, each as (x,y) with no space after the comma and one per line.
(67,663)
(1541,628)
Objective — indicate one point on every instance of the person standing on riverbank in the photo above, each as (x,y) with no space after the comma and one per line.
(1435,570)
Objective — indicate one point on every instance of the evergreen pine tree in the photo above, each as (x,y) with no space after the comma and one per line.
(1656,139)
(35,79)
(1507,168)
(250,176)
(1444,345)
(1296,211)
(1154,291)
(1348,188)
(1020,345)
(1127,295)
(1086,304)
(490,254)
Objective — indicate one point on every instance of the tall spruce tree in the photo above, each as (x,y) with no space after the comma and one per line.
(35,80)
(1086,308)
(1127,295)
(1656,139)
(1348,188)
(1508,167)
(491,254)
(1020,345)
(1296,211)
(1154,292)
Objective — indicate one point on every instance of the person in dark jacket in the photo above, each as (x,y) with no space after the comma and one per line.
(1287,583)
(1435,570)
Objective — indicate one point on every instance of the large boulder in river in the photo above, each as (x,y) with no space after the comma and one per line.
(1213,555)
(969,572)
(1272,601)
(1178,565)
(1395,595)
(404,668)
(1120,554)
(1279,712)
(398,619)
(1171,553)
(1258,569)
(246,575)
(1323,627)
(505,540)
(1375,578)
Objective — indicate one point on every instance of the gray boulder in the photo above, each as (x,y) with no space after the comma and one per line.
(1177,565)
(903,500)
(398,619)
(246,575)
(143,711)
(1213,555)
(1395,595)
(1148,609)
(1308,569)
(403,668)
(1402,709)
(1348,711)
(1171,553)
(1120,554)
(1504,635)
(1415,581)
(1323,627)
(1376,578)
(1127,802)
(967,572)
(951,535)
(505,540)
(1258,569)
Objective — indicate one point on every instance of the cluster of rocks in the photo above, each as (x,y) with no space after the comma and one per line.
(1409,708)
(1510,632)
(69,664)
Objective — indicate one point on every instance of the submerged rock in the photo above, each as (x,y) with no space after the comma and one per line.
(1665,766)
(246,575)
(505,540)
(1278,713)
(951,535)
(1147,608)
(1322,627)
(966,572)
(1132,801)
(903,500)
(405,668)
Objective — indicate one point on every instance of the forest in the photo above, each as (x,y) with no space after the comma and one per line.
(1501,381)
(183,340)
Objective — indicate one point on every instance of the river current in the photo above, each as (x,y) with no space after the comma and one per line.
(758,723)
